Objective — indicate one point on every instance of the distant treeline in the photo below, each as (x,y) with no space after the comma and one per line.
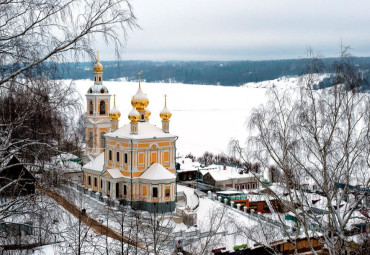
(227,73)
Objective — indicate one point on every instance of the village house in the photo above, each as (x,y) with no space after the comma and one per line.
(229,176)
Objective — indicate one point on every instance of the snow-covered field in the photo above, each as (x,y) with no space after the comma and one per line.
(204,117)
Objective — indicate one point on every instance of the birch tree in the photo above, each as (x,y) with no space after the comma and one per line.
(318,137)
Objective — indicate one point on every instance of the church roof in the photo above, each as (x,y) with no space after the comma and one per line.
(146,130)
(157,172)
(96,164)
(96,89)
(115,173)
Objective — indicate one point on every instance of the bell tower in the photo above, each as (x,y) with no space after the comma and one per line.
(97,121)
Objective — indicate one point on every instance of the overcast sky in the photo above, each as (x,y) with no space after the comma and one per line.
(245,29)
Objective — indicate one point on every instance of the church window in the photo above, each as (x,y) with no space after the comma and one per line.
(253,186)
(126,157)
(101,183)
(90,91)
(117,156)
(142,116)
(248,187)
(108,185)
(102,140)
(167,191)
(100,80)
(102,90)
(155,192)
(124,190)
(95,182)
(110,155)
(91,107)
(91,139)
(102,107)
(243,187)
(89,180)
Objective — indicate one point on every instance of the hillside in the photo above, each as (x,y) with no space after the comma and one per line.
(226,73)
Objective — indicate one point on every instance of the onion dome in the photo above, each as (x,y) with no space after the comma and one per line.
(147,113)
(134,116)
(114,113)
(139,101)
(165,114)
(98,67)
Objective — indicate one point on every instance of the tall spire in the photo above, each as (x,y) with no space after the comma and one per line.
(165,115)
(98,68)
(139,73)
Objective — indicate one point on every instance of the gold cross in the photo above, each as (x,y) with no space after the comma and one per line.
(97,56)
(139,79)
(165,100)
(114,100)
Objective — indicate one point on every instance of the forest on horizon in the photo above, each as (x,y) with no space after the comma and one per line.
(226,73)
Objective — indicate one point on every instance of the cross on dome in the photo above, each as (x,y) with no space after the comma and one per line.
(140,101)
(165,114)
(98,67)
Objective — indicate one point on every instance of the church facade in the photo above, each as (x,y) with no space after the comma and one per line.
(135,163)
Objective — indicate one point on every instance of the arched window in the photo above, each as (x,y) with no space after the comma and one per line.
(91,139)
(102,107)
(102,140)
(91,107)
(102,90)
(142,116)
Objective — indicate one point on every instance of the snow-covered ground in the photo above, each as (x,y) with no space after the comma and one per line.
(204,117)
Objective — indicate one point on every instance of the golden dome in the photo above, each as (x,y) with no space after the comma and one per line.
(98,67)
(114,113)
(165,114)
(134,116)
(139,101)
(147,113)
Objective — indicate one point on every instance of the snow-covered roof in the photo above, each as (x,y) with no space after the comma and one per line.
(165,110)
(134,112)
(187,164)
(115,173)
(95,164)
(114,110)
(96,89)
(229,173)
(140,94)
(146,130)
(157,172)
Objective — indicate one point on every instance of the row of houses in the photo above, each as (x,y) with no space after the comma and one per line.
(218,175)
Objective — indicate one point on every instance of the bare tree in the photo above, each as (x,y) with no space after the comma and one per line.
(320,138)
(36,112)
(34,31)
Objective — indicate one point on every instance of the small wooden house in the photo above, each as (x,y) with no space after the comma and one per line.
(16,179)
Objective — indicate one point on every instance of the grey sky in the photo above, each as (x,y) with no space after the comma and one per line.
(245,30)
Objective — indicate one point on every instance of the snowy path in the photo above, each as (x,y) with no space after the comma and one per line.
(191,199)
(94,224)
